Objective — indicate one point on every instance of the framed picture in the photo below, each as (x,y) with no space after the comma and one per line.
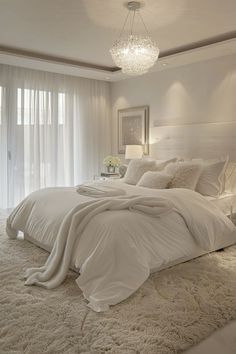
(133,128)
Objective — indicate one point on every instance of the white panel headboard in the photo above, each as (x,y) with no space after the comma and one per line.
(195,140)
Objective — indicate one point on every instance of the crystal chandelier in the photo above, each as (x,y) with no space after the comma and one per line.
(134,53)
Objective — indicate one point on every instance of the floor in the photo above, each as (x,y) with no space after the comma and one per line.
(222,341)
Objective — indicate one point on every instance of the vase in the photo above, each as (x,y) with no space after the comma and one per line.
(111,169)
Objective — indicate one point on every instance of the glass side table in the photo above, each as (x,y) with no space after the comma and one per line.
(104,176)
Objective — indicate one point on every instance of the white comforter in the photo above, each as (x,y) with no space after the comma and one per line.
(116,250)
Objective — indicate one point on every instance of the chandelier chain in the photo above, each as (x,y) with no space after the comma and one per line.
(132,24)
(123,28)
(143,23)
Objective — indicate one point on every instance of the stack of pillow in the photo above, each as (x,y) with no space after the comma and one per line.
(141,169)
(205,177)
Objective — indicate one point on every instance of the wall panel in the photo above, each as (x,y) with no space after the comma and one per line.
(192,108)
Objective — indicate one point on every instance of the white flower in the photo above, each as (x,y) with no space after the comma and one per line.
(113,161)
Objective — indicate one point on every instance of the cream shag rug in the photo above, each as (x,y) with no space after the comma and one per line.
(173,310)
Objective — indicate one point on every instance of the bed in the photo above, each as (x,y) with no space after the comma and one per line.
(118,249)
(226,203)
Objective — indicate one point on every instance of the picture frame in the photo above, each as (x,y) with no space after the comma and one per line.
(133,128)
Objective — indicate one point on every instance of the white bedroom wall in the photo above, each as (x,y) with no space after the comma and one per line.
(192,108)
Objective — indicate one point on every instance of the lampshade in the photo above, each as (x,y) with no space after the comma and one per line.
(133,152)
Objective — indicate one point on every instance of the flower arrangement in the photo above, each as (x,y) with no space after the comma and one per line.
(111,161)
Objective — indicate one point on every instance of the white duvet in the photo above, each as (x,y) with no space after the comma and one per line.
(115,250)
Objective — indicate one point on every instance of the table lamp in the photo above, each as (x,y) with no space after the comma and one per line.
(133,152)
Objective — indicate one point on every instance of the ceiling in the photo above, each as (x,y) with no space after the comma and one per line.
(84,30)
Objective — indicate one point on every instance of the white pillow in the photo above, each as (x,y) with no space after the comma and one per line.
(185,174)
(161,163)
(212,179)
(152,179)
(137,168)
(230,178)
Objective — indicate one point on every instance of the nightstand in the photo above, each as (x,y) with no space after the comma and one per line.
(106,175)
(110,174)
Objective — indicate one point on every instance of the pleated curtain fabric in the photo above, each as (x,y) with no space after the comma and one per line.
(54,131)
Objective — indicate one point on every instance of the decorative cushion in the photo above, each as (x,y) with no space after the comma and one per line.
(212,179)
(152,179)
(137,168)
(185,174)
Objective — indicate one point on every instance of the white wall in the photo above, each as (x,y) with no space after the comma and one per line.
(192,108)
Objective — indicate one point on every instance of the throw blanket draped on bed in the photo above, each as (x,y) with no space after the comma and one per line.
(98,190)
(55,270)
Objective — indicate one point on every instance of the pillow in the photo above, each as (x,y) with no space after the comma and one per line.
(230,178)
(185,174)
(152,179)
(161,164)
(137,168)
(212,179)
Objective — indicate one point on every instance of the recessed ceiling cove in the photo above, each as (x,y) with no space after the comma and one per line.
(84,30)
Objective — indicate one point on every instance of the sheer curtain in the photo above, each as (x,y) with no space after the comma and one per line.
(54,131)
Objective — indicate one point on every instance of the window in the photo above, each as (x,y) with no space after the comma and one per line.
(35,106)
(45,123)
(61,108)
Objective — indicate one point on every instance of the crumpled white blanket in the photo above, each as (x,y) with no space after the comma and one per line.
(55,269)
(116,250)
(99,190)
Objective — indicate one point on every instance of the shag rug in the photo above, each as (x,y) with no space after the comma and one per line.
(174,309)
